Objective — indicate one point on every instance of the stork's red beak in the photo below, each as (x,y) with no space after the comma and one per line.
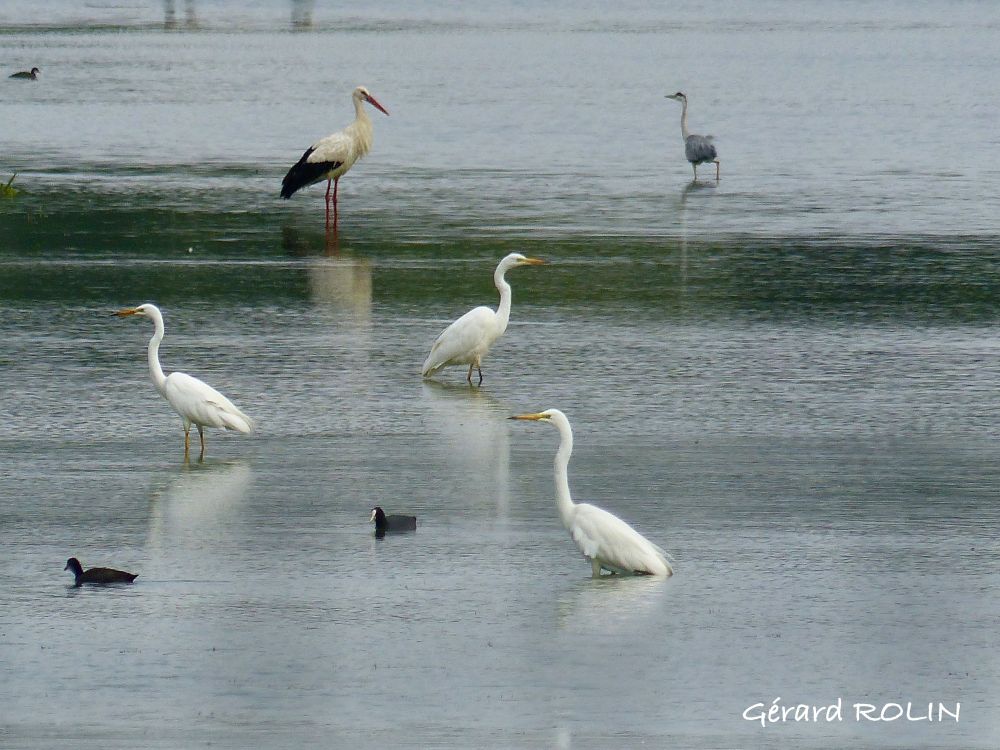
(374,102)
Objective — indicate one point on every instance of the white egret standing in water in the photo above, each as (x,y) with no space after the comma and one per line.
(466,341)
(197,402)
(604,539)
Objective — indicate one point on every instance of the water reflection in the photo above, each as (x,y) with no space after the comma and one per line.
(683,210)
(297,245)
(302,11)
(696,186)
(196,504)
(344,284)
(170,15)
(609,605)
(472,424)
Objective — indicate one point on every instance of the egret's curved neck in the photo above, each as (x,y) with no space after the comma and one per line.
(503,310)
(684,120)
(564,501)
(153,352)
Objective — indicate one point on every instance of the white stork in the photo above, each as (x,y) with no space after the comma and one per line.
(330,157)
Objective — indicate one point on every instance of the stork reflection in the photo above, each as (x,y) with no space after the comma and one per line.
(170,15)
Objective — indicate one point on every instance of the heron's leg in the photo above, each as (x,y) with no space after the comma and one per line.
(595,567)
(695,168)
(716,170)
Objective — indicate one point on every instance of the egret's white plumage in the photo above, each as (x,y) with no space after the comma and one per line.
(698,149)
(197,402)
(604,539)
(330,157)
(466,341)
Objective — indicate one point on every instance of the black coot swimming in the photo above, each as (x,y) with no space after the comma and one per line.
(98,575)
(390,524)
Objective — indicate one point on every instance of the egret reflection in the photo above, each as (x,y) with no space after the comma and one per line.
(198,505)
(612,607)
(471,425)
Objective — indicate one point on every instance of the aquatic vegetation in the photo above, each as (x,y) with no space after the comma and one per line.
(7,191)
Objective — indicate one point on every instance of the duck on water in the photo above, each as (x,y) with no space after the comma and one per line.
(98,575)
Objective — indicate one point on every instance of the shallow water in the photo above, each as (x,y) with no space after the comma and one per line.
(787,379)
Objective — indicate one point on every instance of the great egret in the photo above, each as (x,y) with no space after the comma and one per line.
(698,149)
(329,158)
(31,75)
(604,539)
(466,341)
(98,575)
(384,523)
(197,402)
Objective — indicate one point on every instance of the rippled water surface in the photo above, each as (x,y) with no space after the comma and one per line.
(786,378)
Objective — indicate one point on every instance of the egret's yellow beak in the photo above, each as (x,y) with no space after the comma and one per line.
(126,312)
(533,262)
(532,417)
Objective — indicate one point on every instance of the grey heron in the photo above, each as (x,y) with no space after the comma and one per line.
(698,149)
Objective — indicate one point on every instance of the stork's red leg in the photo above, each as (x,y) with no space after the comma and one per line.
(335,183)
(328,205)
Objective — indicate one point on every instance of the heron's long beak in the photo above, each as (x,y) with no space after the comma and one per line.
(533,262)
(126,312)
(373,516)
(67,567)
(374,103)
(532,417)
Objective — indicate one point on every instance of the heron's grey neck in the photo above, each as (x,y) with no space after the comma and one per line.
(503,310)
(684,120)
(153,354)
(564,501)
